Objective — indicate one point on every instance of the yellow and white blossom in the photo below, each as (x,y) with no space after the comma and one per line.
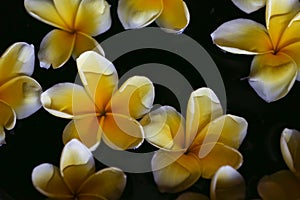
(276,62)
(249,6)
(284,184)
(19,93)
(99,109)
(76,21)
(77,177)
(171,15)
(197,148)
(226,184)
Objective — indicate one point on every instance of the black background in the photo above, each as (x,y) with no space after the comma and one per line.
(37,139)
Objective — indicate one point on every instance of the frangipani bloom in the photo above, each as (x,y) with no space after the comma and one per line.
(77,178)
(208,141)
(226,184)
(276,63)
(249,6)
(171,15)
(284,184)
(76,21)
(100,109)
(19,93)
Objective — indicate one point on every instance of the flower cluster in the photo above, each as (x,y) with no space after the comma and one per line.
(203,144)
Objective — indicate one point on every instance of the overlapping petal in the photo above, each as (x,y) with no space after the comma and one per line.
(138,13)
(76,164)
(175,172)
(272,76)
(242,36)
(134,98)
(22,93)
(215,155)
(99,77)
(164,128)
(282,185)
(290,149)
(227,184)
(52,52)
(17,60)
(45,11)
(7,120)
(293,50)
(107,183)
(175,16)
(46,179)
(121,132)
(203,107)
(96,13)
(67,100)
(249,6)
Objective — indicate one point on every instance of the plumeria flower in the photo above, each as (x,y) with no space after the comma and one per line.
(208,141)
(284,184)
(226,184)
(100,109)
(249,6)
(19,93)
(76,21)
(275,47)
(171,15)
(77,178)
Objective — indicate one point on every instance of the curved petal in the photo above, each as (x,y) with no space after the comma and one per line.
(175,16)
(121,132)
(48,181)
(293,51)
(227,184)
(108,183)
(192,196)
(134,98)
(290,149)
(249,6)
(179,174)
(227,129)
(242,36)
(278,16)
(17,60)
(203,107)
(99,77)
(76,164)
(164,128)
(272,76)
(67,10)
(85,43)
(52,52)
(22,94)
(93,17)
(86,129)
(215,155)
(138,13)
(45,11)
(67,100)
(282,185)
(7,120)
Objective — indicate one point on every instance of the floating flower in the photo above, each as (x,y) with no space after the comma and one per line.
(249,6)
(171,15)
(284,184)
(76,20)
(100,108)
(77,178)
(275,66)
(19,93)
(226,184)
(208,141)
